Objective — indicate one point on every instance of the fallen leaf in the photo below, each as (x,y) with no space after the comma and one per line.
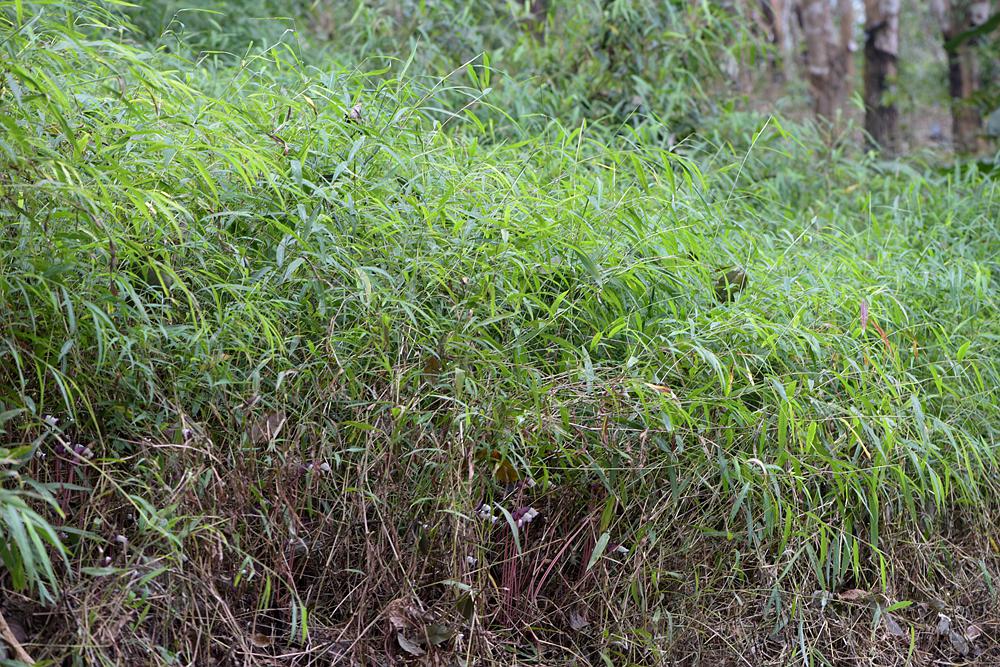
(853,595)
(399,613)
(577,620)
(973,632)
(892,627)
(432,366)
(281,142)
(821,598)
(943,624)
(502,469)
(260,640)
(438,634)
(959,643)
(409,646)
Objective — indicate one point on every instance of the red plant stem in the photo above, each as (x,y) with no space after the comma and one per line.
(548,571)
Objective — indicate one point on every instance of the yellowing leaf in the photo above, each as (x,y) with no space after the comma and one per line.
(662,389)
(505,472)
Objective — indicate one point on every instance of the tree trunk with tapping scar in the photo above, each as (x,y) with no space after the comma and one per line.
(956,17)
(881,63)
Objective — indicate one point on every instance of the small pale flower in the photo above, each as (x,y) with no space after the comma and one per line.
(524,516)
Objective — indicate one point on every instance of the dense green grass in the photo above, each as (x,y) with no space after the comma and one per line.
(260,365)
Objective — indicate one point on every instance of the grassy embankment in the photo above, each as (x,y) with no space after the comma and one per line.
(260,367)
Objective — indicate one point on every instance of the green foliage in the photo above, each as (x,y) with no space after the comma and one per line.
(26,537)
(985,28)
(216,26)
(27,540)
(275,322)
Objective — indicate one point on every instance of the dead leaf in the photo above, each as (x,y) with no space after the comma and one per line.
(854,595)
(438,634)
(502,469)
(398,613)
(943,624)
(466,606)
(312,105)
(892,627)
(432,366)
(260,640)
(505,472)
(883,336)
(281,142)
(409,646)
(661,389)
(959,643)
(268,427)
(729,284)
(973,632)
(864,315)
(354,114)
(578,620)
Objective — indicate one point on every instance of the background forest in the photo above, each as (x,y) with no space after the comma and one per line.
(612,332)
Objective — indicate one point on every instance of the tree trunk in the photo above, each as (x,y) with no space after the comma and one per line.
(957,16)
(828,53)
(777,17)
(845,8)
(786,38)
(881,57)
(817,25)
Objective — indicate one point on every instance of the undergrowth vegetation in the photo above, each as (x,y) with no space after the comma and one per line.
(331,360)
